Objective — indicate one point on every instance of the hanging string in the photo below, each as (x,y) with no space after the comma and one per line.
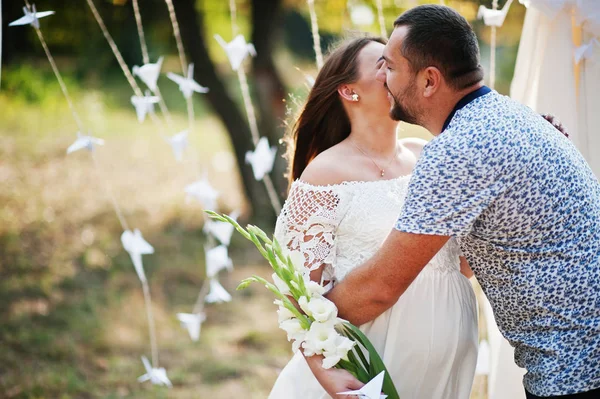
(138,92)
(493,51)
(177,35)
(115,50)
(200,301)
(151,326)
(146,60)
(109,193)
(315,32)
(79,124)
(271,192)
(140,28)
(136,89)
(61,83)
(381,19)
(233,10)
(182,59)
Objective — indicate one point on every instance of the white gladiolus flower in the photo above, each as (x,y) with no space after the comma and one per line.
(331,361)
(322,309)
(298,260)
(284,314)
(303,302)
(320,337)
(280,284)
(339,351)
(296,345)
(315,289)
(293,328)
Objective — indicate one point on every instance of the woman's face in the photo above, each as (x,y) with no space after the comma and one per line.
(372,93)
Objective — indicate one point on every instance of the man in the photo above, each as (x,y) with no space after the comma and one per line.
(521,199)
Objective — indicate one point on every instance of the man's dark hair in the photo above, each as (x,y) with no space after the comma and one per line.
(439,36)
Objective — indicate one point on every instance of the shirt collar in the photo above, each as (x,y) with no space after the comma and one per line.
(483,90)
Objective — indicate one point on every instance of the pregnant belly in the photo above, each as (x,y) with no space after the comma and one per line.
(430,334)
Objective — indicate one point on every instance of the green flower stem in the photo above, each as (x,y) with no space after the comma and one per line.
(361,371)
(304,320)
(228,219)
(261,234)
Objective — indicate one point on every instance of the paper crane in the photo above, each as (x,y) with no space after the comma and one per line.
(157,376)
(31,17)
(84,142)
(585,51)
(217,259)
(178,143)
(494,17)
(372,390)
(135,244)
(187,85)
(237,50)
(203,192)
(217,293)
(144,105)
(222,231)
(261,158)
(149,73)
(192,322)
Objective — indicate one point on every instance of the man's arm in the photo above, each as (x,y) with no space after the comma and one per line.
(372,288)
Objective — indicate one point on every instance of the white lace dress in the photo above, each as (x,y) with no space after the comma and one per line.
(428,339)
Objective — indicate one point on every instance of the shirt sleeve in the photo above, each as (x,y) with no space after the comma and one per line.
(453,184)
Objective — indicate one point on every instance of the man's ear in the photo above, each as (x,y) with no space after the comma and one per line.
(432,81)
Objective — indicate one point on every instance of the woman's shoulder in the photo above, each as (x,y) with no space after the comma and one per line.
(331,167)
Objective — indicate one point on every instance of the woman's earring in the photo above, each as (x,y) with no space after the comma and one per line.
(355,97)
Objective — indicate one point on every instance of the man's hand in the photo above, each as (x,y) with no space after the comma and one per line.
(333,380)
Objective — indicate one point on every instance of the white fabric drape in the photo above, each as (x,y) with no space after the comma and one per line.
(547,77)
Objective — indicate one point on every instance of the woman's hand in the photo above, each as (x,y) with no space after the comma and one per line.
(333,380)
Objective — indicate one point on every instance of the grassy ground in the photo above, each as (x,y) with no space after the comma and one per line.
(72,318)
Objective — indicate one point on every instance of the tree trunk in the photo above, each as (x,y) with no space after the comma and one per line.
(268,86)
(192,32)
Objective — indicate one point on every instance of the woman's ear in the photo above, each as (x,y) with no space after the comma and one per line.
(347,93)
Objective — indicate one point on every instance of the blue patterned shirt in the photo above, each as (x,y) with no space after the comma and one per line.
(525,207)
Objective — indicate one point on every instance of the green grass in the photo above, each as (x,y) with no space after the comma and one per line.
(72,317)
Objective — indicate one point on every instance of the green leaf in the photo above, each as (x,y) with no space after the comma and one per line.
(376,364)
(362,374)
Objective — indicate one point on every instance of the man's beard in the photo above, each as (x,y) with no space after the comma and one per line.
(398,112)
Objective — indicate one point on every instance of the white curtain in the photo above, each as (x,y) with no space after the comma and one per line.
(548,78)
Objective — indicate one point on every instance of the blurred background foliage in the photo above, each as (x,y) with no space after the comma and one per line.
(72,322)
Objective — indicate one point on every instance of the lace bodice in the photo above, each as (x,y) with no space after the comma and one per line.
(343,225)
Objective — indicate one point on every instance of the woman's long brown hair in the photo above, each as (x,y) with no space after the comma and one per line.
(323,121)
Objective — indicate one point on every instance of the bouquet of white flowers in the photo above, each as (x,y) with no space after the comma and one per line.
(318,331)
